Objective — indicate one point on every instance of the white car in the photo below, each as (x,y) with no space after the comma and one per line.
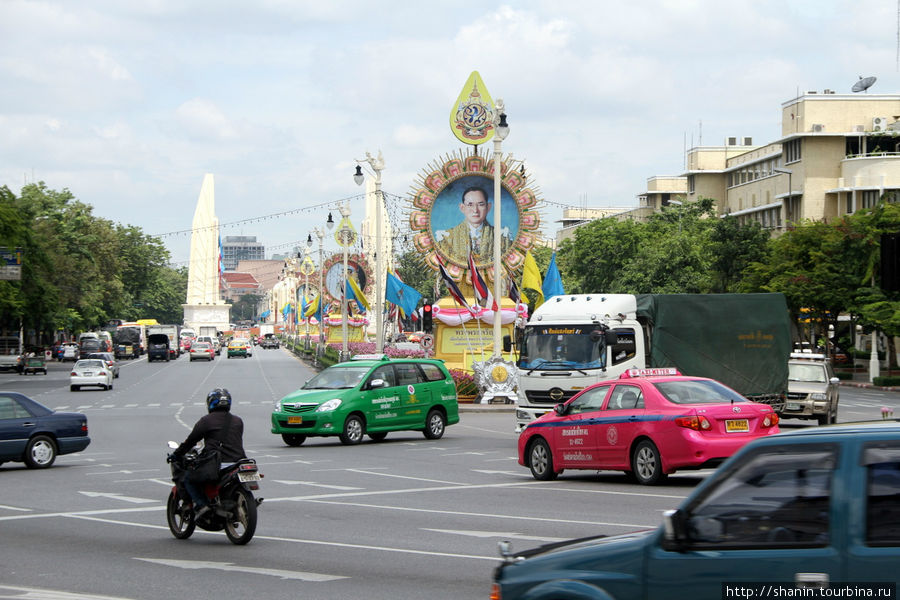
(70,352)
(91,371)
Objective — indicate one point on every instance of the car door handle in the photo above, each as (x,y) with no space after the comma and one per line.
(28,424)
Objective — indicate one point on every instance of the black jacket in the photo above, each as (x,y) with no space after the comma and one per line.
(211,428)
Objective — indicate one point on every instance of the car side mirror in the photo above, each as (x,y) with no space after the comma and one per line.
(377,383)
(560,409)
(674,530)
(834,380)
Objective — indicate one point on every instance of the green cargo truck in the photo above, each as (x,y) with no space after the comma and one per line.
(742,340)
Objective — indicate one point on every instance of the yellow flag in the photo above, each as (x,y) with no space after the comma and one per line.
(357,293)
(531,279)
(312,308)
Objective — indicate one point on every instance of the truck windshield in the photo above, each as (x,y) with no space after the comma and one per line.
(561,347)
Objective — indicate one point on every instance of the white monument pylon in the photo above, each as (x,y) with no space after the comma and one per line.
(203,307)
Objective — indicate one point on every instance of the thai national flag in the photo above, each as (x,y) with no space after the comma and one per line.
(513,292)
(452,287)
(483,295)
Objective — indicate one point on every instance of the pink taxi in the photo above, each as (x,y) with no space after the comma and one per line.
(648,423)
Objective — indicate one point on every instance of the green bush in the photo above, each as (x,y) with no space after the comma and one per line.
(844,376)
(893,380)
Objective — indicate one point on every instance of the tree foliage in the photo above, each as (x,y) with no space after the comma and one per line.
(80,270)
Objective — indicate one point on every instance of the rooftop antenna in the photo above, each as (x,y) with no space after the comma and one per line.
(863,84)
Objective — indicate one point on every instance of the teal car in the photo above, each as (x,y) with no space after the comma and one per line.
(813,508)
(369,395)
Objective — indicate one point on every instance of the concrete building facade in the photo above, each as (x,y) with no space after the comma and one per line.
(837,154)
(236,248)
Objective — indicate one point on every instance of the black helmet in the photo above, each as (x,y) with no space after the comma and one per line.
(218,399)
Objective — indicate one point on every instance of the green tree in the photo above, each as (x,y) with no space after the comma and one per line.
(734,247)
(416,273)
(818,267)
(80,270)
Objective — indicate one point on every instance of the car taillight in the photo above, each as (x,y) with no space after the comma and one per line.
(495,592)
(84,427)
(697,423)
(73,373)
(771,420)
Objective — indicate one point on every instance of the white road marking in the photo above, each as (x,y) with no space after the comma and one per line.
(322,485)
(233,568)
(512,473)
(48,594)
(498,534)
(529,519)
(405,477)
(5,507)
(131,499)
(90,516)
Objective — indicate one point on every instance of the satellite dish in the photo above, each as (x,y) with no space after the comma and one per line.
(863,84)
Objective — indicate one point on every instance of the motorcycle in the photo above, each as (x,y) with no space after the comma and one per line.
(231,497)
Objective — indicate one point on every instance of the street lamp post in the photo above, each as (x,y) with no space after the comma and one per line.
(377,165)
(346,233)
(500,132)
(321,235)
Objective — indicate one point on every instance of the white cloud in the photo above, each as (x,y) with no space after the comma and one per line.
(131,100)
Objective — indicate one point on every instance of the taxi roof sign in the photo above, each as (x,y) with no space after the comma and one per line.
(370,357)
(808,356)
(654,372)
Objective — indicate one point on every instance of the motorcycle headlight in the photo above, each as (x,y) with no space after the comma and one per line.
(329,406)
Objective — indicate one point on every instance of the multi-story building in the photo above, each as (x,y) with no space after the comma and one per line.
(837,153)
(573,218)
(236,248)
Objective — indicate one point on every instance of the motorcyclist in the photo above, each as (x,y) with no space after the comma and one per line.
(219,426)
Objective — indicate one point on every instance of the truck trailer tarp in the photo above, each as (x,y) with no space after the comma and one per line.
(742,340)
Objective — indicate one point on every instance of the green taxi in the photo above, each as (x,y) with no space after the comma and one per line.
(237,348)
(369,395)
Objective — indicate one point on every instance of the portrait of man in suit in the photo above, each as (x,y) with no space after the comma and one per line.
(473,234)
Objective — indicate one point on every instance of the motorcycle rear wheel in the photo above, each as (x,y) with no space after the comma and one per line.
(180,517)
(241,525)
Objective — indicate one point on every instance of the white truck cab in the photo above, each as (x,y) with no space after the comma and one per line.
(571,342)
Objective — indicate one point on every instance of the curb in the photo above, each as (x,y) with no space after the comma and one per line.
(861,384)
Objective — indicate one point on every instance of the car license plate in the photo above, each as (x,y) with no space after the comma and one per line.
(732,425)
(295,420)
(88,374)
(252,476)
(792,406)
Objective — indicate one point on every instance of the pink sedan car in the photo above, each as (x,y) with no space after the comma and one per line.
(649,423)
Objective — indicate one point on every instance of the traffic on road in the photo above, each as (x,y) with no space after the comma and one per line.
(385,519)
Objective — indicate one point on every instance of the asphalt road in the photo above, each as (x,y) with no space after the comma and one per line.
(401,519)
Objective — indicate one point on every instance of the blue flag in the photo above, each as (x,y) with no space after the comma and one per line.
(553,285)
(404,296)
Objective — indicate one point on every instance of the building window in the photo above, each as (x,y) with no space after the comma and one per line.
(691,184)
(792,151)
(869,198)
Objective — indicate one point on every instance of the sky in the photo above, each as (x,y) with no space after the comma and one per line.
(128,104)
